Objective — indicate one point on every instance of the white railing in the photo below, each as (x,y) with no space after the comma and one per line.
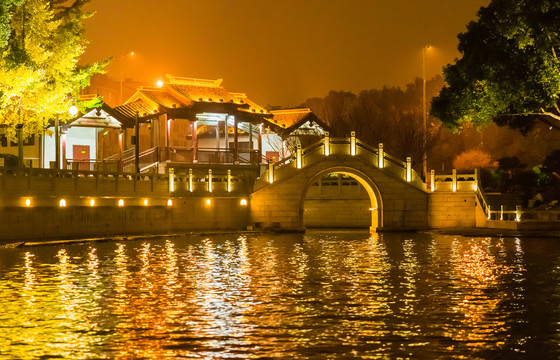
(349,146)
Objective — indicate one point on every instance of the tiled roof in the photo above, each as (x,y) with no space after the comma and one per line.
(199,90)
(161,97)
(138,106)
(289,117)
(253,107)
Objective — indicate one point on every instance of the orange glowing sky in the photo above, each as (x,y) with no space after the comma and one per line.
(279,52)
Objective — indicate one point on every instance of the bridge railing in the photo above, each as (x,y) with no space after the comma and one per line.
(349,146)
(453,182)
(49,185)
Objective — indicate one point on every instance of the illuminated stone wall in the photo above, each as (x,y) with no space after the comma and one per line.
(452,209)
(185,215)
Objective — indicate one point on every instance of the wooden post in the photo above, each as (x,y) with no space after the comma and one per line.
(137,144)
(63,135)
(218,136)
(195,141)
(19,128)
(260,144)
(166,124)
(235,144)
(57,142)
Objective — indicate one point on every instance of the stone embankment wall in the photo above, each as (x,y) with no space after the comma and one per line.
(30,205)
(185,215)
(451,209)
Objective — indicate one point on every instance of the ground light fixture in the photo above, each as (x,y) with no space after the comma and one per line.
(145,202)
(27,202)
(91,202)
(208,202)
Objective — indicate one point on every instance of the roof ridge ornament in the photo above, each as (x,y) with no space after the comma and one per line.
(178,80)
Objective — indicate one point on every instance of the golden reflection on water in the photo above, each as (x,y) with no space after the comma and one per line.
(477,268)
(282,296)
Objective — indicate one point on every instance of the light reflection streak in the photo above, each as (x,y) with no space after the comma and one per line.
(476,267)
(30,282)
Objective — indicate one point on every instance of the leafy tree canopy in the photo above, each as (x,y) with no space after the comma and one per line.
(41,42)
(509,71)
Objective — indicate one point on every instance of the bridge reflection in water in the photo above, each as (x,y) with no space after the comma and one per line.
(318,295)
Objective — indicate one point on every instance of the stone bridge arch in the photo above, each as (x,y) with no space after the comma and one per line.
(376,201)
(401,205)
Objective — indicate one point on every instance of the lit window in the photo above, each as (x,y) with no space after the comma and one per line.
(145,202)
(169,202)
(121,202)
(27,202)
(243,202)
(208,202)
(62,203)
(92,202)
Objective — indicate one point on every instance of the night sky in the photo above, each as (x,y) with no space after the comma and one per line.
(279,52)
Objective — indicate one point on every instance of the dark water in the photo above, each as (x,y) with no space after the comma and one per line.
(313,296)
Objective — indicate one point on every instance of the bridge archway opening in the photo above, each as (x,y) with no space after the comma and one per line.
(341,198)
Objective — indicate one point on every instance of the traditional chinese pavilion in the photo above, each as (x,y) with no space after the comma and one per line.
(190,121)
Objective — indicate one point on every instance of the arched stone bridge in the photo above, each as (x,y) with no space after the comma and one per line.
(398,196)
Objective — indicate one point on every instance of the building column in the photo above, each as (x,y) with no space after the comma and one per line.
(64,151)
(235,143)
(121,148)
(19,130)
(57,143)
(195,141)
(167,139)
(218,135)
(137,144)
(260,144)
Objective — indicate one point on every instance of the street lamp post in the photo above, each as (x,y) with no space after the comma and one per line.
(424,114)
(121,82)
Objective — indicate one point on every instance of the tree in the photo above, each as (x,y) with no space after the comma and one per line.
(390,115)
(509,71)
(40,44)
(472,159)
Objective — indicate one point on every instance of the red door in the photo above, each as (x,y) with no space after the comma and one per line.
(81,156)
